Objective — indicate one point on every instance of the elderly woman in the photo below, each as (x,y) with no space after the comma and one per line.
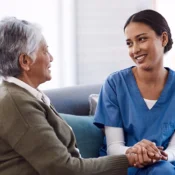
(33,138)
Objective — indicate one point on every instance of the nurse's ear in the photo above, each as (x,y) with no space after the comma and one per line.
(164,38)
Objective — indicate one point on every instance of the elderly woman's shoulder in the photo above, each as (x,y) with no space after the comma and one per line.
(12,92)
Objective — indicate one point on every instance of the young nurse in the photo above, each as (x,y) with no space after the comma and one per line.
(137,105)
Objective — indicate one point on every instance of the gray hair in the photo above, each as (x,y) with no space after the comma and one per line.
(17,37)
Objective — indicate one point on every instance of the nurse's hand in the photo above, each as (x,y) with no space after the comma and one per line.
(163,153)
(144,160)
(152,150)
(147,153)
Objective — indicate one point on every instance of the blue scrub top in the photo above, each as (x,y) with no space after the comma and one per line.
(122,105)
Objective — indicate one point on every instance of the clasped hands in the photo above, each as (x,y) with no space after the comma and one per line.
(145,153)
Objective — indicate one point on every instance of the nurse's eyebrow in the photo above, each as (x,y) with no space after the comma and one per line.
(137,36)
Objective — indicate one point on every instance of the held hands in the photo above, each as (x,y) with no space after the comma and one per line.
(145,153)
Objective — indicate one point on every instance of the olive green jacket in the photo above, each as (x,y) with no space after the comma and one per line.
(34,140)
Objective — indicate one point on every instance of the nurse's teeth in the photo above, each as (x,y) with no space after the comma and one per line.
(139,58)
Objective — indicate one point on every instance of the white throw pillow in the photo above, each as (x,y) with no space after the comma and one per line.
(93,100)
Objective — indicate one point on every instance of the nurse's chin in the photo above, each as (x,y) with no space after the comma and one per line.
(146,68)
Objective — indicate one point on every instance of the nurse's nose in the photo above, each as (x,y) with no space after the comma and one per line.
(135,48)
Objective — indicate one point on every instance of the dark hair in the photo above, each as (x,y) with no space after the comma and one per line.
(156,21)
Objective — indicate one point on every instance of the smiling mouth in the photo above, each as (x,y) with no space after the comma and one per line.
(49,68)
(140,58)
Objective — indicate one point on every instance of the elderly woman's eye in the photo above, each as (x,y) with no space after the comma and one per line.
(46,51)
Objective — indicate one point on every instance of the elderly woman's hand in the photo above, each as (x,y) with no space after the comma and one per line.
(141,158)
(133,159)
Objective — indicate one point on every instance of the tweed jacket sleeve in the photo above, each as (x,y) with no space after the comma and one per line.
(43,140)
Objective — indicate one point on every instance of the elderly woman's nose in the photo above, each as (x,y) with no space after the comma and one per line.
(51,57)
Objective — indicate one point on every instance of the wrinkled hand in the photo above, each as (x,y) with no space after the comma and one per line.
(133,159)
(146,152)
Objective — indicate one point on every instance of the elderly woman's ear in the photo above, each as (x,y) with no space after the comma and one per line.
(25,62)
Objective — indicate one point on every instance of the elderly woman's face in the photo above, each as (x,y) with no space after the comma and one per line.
(40,69)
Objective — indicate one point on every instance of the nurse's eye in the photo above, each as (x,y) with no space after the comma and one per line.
(142,39)
(129,43)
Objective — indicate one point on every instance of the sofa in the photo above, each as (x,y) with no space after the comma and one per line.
(73,105)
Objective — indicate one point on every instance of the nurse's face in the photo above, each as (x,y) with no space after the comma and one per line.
(145,48)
